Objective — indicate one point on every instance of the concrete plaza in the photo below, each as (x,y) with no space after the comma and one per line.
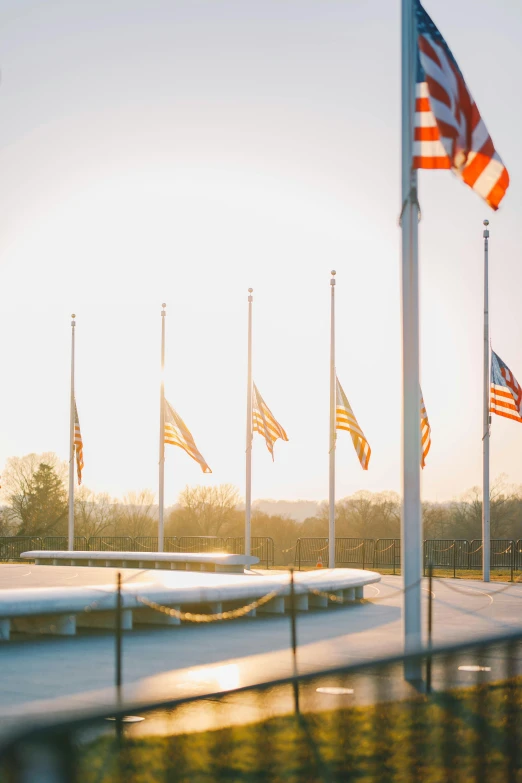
(50,674)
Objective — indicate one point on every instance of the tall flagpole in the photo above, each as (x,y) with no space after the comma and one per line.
(331,487)
(248,489)
(411,438)
(70,537)
(162,436)
(486,418)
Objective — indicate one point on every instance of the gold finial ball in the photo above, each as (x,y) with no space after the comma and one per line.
(250,290)
(485,222)
(73,315)
(333,272)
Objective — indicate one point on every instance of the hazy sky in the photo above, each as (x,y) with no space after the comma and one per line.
(184,150)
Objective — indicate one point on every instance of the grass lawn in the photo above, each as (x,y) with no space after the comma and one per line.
(460,736)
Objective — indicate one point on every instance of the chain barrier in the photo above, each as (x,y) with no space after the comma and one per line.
(439,551)
(232,614)
(352,548)
(340,599)
(192,617)
(315,551)
(382,551)
(330,596)
(143,546)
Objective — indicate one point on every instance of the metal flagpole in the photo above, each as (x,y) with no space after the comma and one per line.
(331,488)
(411,439)
(70,537)
(486,419)
(162,436)
(248,490)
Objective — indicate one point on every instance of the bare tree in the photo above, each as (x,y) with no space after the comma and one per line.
(136,515)
(206,511)
(437,520)
(94,514)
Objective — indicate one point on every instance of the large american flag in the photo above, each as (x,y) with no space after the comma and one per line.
(425,433)
(345,420)
(178,434)
(506,394)
(263,421)
(449,131)
(78,444)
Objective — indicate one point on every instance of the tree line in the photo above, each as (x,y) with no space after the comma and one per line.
(34,491)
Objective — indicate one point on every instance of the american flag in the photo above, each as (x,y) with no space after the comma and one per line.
(177,434)
(506,394)
(425,433)
(345,420)
(78,444)
(449,131)
(263,421)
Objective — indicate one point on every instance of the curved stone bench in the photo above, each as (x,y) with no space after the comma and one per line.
(59,610)
(216,562)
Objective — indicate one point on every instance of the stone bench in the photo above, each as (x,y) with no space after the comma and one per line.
(215,562)
(60,610)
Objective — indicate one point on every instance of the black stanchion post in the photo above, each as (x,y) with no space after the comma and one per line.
(267,563)
(430,626)
(512,550)
(454,559)
(294,640)
(119,623)
(394,557)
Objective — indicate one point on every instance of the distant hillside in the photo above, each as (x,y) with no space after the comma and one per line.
(296,509)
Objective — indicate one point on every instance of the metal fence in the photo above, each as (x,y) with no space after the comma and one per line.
(448,554)
(261,547)
(387,553)
(355,551)
(382,553)
(201,544)
(355,723)
(11,547)
(111,544)
(311,552)
(60,543)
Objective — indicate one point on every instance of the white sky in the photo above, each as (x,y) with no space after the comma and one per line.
(160,150)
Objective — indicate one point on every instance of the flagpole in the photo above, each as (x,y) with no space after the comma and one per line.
(411,440)
(70,537)
(248,489)
(331,488)
(486,536)
(161,492)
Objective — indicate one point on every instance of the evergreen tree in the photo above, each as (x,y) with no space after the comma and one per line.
(45,504)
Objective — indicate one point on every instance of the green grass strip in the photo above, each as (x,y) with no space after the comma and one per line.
(460,736)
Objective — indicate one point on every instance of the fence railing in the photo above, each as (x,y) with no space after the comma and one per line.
(260,546)
(387,553)
(352,723)
(448,554)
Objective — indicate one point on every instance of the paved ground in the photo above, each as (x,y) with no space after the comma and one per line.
(195,659)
